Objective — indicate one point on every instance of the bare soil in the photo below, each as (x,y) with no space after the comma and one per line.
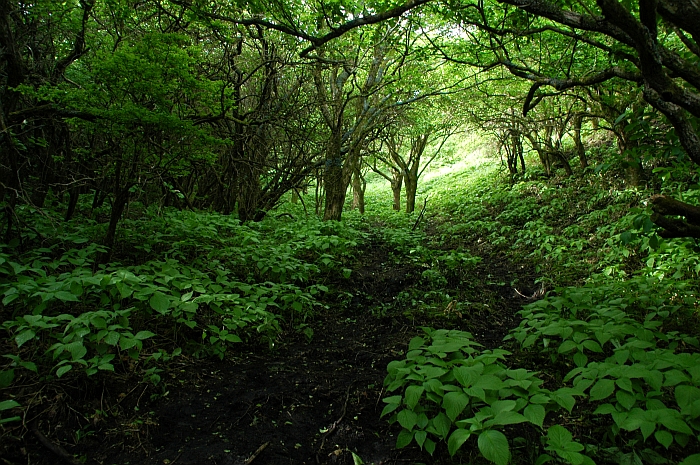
(314,401)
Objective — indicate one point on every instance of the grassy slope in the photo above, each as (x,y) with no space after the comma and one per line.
(614,337)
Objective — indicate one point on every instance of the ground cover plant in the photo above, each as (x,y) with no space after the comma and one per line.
(613,323)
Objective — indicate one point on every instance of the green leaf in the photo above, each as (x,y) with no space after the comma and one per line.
(407,419)
(66,296)
(457,438)
(567,346)
(674,423)
(691,460)
(76,289)
(8,404)
(63,370)
(558,436)
(442,425)
(454,403)
(507,418)
(413,395)
(24,336)
(404,438)
(494,446)
(159,302)
(467,375)
(685,396)
(6,377)
(141,335)
(420,437)
(488,382)
(415,343)
(626,399)
(664,437)
(564,399)
(602,389)
(112,338)
(76,349)
(535,414)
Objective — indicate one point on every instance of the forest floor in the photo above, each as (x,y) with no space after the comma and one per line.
(314,401)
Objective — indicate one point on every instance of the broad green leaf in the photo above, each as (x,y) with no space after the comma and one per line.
(507,418)
(420,437)
(141,335)
(8,404)
(442,425)
(112,338)
(625,399)
(454,403)
(674,423)
(416,342)
(413,395)
(407,419)
(535,414)
(98,322)
(565,400)
(66,296)
(76,349)
(602,389)
(457,438)
(467,375)
(567,346)
(430,446)
(685,396)
(6,377)
(605,409)
(388,409)
(624,383)
(76,289)
(580,359)
(24,336)
(503,406)
(664,437)
(488,382)
(404,438)
(647,427)
(494,446)
(691,460)
(159,302)
(63,370)
(558,436)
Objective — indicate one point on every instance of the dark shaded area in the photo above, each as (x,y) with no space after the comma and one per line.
(304,402)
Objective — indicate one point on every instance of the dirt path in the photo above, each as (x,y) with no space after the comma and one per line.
(306,402)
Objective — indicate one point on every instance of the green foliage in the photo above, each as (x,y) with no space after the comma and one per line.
(620,344)
(449,391)
(196,283)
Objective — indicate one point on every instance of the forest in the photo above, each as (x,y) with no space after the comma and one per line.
(350,232)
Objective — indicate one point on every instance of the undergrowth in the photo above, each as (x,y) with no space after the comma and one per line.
(602,369)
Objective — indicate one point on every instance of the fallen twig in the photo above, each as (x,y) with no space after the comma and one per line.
(256,453)
(334,425)
(55,448)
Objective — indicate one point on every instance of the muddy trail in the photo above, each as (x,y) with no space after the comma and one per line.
(308,401)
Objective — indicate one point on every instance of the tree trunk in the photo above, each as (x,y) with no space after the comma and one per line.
(358,190)
(120,201)
(663,205)
(411,183)
(396,182)
(73,197)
